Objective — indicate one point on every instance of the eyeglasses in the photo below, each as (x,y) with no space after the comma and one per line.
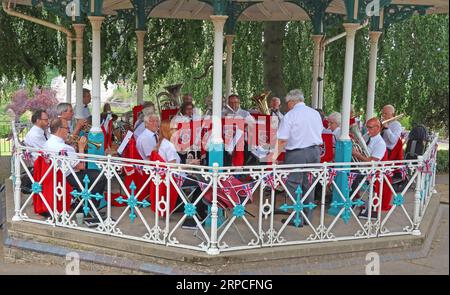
(65,128)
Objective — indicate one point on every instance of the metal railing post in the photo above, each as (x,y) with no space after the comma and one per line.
(417,197)
(17,180)
(213,249)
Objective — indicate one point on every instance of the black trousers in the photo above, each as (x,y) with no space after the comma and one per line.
(202,207)
(92,175)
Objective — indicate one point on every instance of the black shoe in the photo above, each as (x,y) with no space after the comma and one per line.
(45,214)
(364,214)
(26,190)
(189,223)
(291,223)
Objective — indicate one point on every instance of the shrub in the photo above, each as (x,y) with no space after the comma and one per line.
(442,161)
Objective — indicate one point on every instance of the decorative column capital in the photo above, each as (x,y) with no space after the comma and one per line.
(351,28)
(317,38)
(374,36)
(230,37)
(96,22)
(79,30)
(140,33)
(219,21)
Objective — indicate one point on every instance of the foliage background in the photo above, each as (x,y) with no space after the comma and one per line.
(412,65)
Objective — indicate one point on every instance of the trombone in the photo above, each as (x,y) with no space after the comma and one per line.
(392,119)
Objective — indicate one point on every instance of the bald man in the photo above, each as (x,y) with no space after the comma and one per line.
(377,152)
(375,143)
(391,133)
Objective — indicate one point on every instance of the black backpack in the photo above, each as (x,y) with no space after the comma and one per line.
(417,142)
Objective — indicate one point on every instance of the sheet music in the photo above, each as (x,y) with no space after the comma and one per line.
(230,147)
(124,142)
(260,152)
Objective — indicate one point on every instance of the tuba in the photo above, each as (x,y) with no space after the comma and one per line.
(261,102)
(358,142)
(170,98)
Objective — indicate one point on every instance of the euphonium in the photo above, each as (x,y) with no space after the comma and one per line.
(358,142)
(261,102)
(172,97)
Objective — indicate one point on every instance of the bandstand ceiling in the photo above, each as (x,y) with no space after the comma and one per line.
(267,10)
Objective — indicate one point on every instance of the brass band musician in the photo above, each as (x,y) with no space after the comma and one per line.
(391,133)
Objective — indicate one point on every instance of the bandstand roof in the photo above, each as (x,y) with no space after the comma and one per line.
(266,10)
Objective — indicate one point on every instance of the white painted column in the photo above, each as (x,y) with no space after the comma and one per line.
(216,134)
(96,22)
(351,29)
(229,65)
(79,30)
(321,84)
(216,145)
(316,61)
(69,70)
(374,37)
(140,35)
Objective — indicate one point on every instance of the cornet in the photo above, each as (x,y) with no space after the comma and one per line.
(97,145)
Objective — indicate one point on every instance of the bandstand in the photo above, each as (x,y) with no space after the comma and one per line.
(249,222)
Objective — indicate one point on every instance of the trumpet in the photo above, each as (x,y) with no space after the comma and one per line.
(97,145)
(392,119)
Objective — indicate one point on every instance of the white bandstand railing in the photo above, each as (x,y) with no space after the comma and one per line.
(249,207)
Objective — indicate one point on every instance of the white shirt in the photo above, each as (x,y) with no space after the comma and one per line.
(35,138)
(197,112)
(302,127)
(139,129)
(146,143)
(240,113)
(277,114)
(392,134)
(56,144)
(85,113)
(168,152)
(377,147)
(336,134)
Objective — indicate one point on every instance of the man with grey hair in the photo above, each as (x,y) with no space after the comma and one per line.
(275,103)
(85,113)
(140,124)
(300,134)
(334,124)
(64,111)
(148,140)
(391,133)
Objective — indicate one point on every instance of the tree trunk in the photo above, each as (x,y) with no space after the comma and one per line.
(273,59)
